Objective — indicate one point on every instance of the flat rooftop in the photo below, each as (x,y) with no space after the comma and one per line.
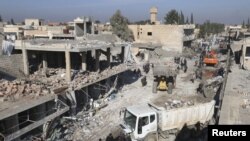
(65,45)
(9,108)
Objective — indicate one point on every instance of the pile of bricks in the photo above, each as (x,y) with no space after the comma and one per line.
(42,83)
(13,90)
(82,78)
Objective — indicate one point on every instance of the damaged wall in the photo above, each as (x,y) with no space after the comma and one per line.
(170,36)
(12,65)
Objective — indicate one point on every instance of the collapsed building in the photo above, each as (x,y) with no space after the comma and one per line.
(56,76)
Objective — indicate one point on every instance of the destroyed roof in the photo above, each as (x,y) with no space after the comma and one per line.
(104,37)
(62,45)
(146,45)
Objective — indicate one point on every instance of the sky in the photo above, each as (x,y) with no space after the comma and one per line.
(222,11)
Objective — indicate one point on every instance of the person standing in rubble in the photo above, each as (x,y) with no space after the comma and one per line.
(193,77)
(221,72)
(185,65)
(198,73)
(110,137)
(202,55)
(182,63)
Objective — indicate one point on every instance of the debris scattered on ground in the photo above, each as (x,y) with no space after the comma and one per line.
(13,90)
(173,103)
(246,104)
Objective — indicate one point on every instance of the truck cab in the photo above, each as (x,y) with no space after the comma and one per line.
(245,55)
(139,121)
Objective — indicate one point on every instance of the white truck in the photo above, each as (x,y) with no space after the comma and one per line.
(245,55)
(149,122)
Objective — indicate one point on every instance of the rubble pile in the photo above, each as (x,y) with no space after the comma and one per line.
(246,104)
(53,78)
(42,83)
(82,78)
(172,104)
(214,81)
(84,122)
(188,52)
(13,90)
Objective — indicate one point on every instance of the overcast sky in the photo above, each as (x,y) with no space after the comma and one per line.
(223,11)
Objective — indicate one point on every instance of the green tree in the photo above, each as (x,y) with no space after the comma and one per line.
(243,24)
(187,21)
(119,25)
(172,17)
(182,19)
(1,18)
(248,23)
(12,21)
(208,28)
(192,19)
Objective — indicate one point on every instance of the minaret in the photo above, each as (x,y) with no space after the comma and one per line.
(153,15)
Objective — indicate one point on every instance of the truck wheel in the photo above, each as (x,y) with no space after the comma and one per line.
(170,87)
(154,89)
(150,137)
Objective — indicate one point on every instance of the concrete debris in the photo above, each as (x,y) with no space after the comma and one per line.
(172,104)
(246,104)
(52,81)
(188,52)
(83,78)
(13,90)
(214,81)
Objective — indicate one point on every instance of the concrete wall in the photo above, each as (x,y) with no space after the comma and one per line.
(79,29)
(35,32)
(32,22)
(56,29)
(12,29)
(1,37)
(170,36)
(12,65)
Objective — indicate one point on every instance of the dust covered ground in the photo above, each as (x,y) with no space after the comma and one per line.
(92,127)
(236,102)
(107,120)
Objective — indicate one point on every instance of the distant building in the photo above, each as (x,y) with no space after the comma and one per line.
(83,26)
(233,27)
(104,28)
(15,31)
(33,22)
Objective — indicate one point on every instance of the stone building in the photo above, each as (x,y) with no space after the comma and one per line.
(172,37)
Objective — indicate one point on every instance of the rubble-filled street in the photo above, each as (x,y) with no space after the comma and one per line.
(98,123)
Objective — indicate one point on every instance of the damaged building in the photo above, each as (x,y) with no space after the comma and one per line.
(55,76)
(172,37)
